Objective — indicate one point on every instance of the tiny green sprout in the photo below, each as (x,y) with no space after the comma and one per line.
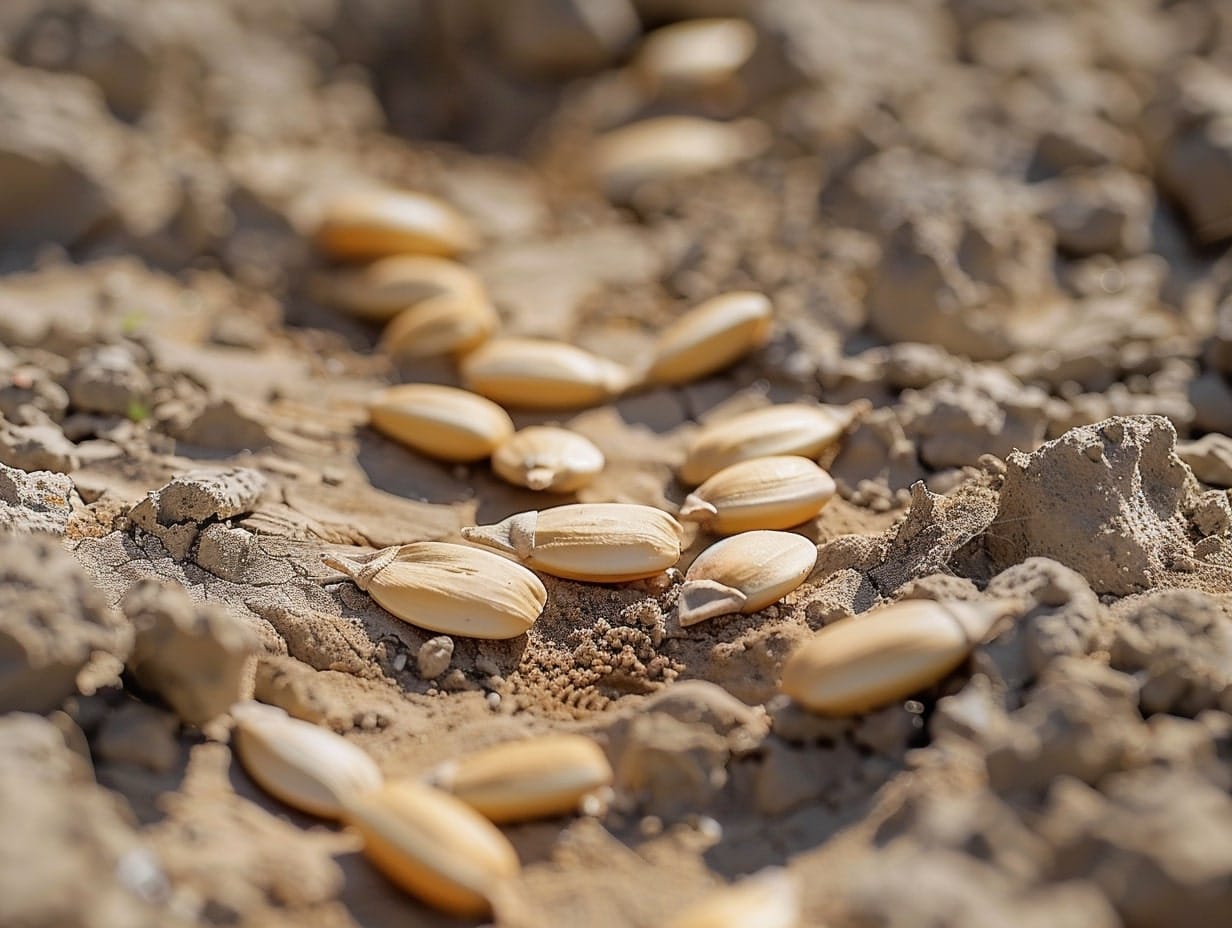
(131,322)
(137,410)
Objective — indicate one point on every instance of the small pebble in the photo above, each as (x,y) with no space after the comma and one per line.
(494,701)
(650,826)
(400,661)
(434,657)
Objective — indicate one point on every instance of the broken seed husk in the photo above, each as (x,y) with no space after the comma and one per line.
(362,225)
(744,573)
(303,765)
(449,588)
(766,493)
(596,542)
(792,428)
(442,422)
(523,780)
(694,53)
(710,337)
(672,146)
(767,899)
(544,457)
(383,289)
(447,324)
(867,661)
(434,846)
(534,373)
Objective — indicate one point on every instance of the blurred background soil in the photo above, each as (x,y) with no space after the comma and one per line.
(1000,223)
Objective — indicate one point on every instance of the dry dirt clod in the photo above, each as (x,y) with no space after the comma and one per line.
(597,542)
(52,619)
(454,589)
(527,779)
(744,573)
(790,428)
(765,493)
(384,288)
(363,225)
(443,422)
(434,846)
(867,661)
(768,899)
(194,655)
(666,147)
(695,54)
(304,765)
(711,336)
(544,457)
(533,373)
(448,324)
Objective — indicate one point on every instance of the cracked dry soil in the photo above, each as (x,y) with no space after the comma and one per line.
(1003,226)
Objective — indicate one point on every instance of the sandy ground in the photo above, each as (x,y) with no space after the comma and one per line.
(1002,225)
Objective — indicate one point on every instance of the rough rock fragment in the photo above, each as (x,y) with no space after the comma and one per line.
(1210,457)
(37,447)
(1180,643)
(963,256)
(908,887)
(175,511)
(1195,147)
(109,380)
(35,502)
(1109,500)
(70,856)
(877,462)
(978,823)
(52,620)
(705,703)
(1106,212)
(1068,728)
(934,535)
(983,411)
(1158,843)
(672,766)
(1065,618)
(194,655)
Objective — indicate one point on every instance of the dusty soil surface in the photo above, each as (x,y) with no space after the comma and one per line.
(1003,225)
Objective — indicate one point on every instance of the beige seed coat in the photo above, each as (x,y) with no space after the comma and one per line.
(791,428)
(434,846)
(597,542)
(528,779)
(765,493)
(667,147)
(449,588)
(767,899)
(710,337)
(532,373)
(744,573)
(304,765)
(363,225)
(696,53)
(447,324)
(867,661)
(384,288)
(442,422)
(544,457)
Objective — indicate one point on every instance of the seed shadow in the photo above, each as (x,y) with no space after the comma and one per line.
(394,469)
(370,899)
